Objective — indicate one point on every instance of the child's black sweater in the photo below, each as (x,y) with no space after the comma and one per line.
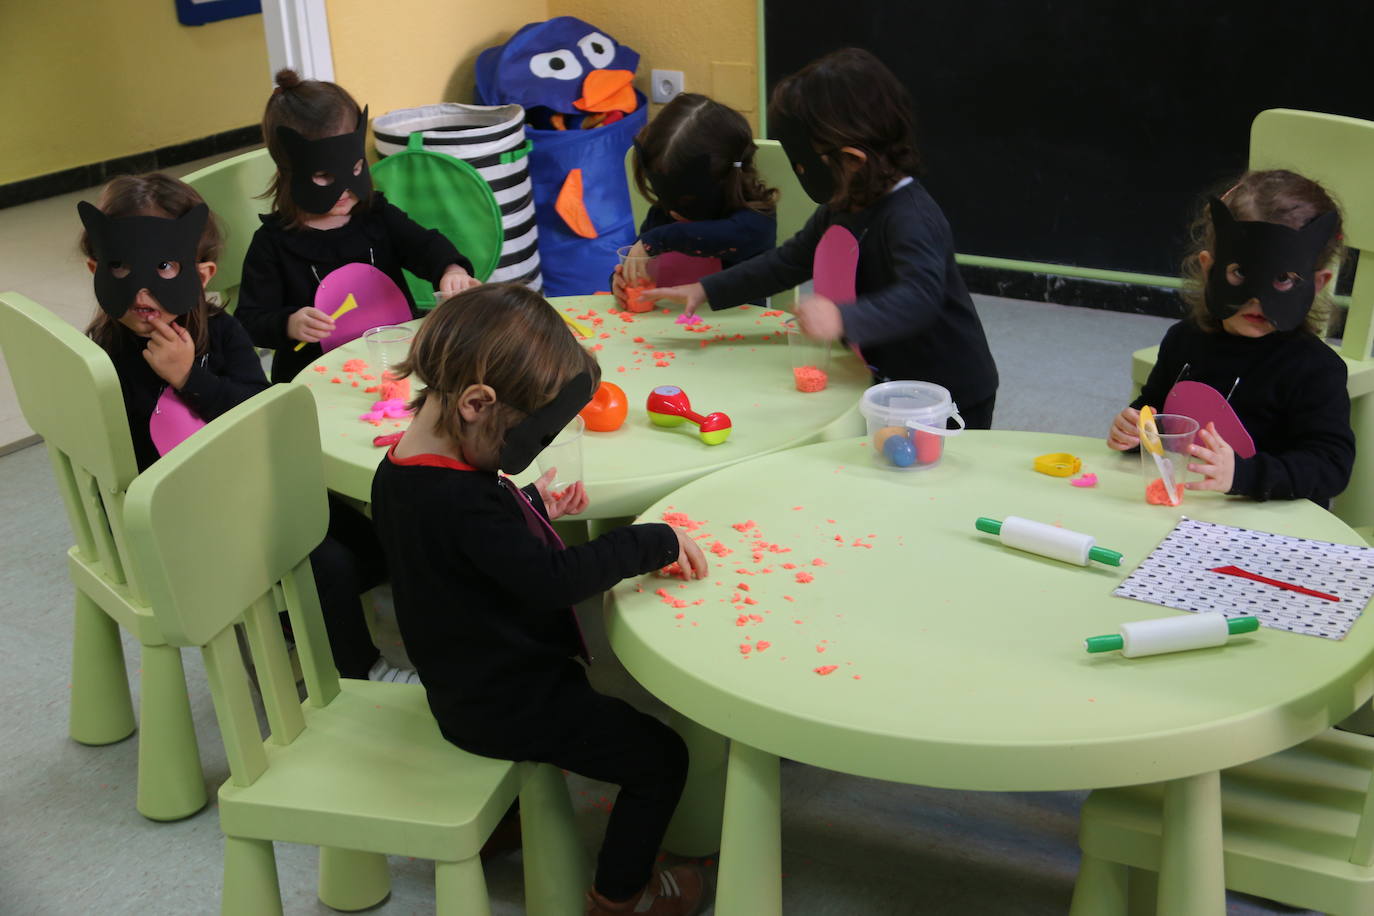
(284,267)
(483,603)
(913,318)
(225,375)
(1289,391)
(734,239)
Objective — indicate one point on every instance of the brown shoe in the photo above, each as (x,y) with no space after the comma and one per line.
(673,892)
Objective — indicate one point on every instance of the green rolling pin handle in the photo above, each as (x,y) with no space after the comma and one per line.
(1100,554)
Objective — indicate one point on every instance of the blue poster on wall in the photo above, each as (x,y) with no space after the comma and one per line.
(199,12)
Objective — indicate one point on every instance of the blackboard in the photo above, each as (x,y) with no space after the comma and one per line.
(1083,132)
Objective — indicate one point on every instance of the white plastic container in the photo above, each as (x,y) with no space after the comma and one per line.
(906,423)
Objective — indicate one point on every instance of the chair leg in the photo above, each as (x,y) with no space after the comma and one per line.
(556,868)
(695,827)
(1101,889)
(101,709)
(460,889)
(171,785)
(250,879)
(352,880)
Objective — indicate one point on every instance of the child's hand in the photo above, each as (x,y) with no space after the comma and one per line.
(1125,431)
(455,280)
(309,325)
(635,266)
(1220,470)
(170,352)
(692,296)
(820,318)
(570,501)
(618,285)
(689,556)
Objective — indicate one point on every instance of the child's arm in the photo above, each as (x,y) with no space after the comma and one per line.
(1124,433)
(1320,452)
(772,272)
(239,376)
(919,250)
(426,252)
(495,539)
(261,309)
(741,235)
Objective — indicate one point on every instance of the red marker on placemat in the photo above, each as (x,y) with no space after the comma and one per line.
(1264,580)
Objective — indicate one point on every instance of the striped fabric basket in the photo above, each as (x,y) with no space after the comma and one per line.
(490,138)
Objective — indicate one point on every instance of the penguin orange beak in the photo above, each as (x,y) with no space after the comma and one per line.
(608,90)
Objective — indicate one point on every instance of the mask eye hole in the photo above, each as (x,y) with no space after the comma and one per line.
(119,270)
(1234,275)
(558,65)
(357,168)
(323,179)
(168,270)
(1284,282)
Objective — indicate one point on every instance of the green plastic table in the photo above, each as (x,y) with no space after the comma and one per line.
(736,361)
(957,662)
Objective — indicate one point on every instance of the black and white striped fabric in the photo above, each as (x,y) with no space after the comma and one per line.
(490,138)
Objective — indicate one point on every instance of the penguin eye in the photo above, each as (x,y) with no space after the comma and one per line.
(597,48)
(558,65)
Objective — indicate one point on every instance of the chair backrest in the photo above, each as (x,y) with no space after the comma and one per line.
(221,530)
(1338,152)
(70,395)
(231,189)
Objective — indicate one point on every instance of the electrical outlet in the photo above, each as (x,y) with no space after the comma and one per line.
(666,84)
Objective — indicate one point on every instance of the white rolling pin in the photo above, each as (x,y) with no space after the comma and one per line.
(1172,634)
(1048,541)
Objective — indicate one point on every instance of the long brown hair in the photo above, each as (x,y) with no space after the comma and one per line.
(498,334)
(850,98)
(1274,196)
(314,109)
(693,124)
(155,194)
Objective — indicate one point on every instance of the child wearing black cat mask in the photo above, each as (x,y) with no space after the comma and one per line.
(325,214)
(1263,254)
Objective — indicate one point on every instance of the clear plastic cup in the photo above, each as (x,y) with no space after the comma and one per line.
(640,272)
(810,358)
(565,454)
(1176,435)
(387,346)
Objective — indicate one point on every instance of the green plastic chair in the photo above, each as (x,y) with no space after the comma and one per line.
(794,208)
(231,188)
(70,395)
(220,532)
(1336,151)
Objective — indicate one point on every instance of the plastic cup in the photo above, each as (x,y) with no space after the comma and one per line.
(810,358)
(387,346)
(640,272)
(1176,434)
(565,454)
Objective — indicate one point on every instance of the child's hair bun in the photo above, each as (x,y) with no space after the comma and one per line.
(287,79)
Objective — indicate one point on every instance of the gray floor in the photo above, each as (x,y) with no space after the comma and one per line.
(71,841)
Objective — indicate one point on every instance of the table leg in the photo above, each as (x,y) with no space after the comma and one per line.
(1192,881)
(750,880)
(695,828)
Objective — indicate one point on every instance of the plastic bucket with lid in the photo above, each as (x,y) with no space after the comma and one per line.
(907,423)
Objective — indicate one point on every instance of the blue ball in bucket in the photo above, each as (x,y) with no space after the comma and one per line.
(900,451)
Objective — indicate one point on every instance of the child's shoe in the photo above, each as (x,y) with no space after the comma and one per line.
(673,892)
(382,670)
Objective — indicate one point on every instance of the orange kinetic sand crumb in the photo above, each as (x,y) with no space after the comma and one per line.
(1157,495)
(321,368)
(745,648)
(680,520)
(336,381)
(805,577)
(744,526)
(763,644)
(354,365)
(635,301)
(825,669)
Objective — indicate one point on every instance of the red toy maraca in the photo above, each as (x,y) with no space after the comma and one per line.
(668,406)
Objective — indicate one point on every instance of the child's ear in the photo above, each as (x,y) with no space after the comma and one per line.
(1322,277)
(475,401)
(207,269)
(91,264)
(1205,261)
(857,158)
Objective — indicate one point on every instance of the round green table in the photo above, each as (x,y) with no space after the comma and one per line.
(735,361)
(854,619)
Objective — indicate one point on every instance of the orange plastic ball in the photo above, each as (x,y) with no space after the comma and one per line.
(607,409)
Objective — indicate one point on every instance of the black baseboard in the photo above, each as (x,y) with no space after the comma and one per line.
(88,176)
(1159,301)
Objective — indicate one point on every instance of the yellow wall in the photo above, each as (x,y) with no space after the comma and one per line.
(694,36)
(85,81)
(406,53)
